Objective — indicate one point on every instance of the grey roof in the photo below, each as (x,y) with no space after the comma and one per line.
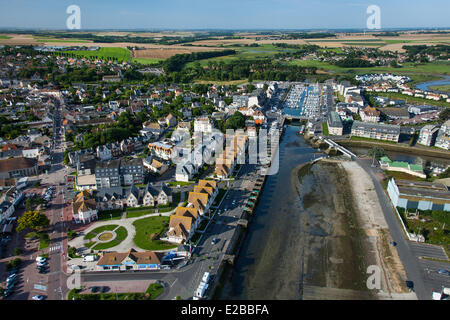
(334,120)
(378,127)
(110,192)
(107,164)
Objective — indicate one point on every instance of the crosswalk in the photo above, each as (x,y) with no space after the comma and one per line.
(55,248)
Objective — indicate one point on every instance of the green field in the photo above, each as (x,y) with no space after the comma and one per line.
(5,37)
(408,68)
(148,229)
(443,88)
(147,60)
(120,54)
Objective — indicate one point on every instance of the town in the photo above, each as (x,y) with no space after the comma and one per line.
(102,174)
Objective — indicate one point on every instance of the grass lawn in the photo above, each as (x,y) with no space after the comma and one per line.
(107,245)
(153,291)
(181,183)
(44,240)
(138,213)
(106,215)
(325,129)
(373,140)
(121,233)
(148,229)
(5,37)
(121,54)
(99,230)
(402,176)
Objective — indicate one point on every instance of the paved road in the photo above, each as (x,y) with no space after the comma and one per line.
(183,282)
(409,252)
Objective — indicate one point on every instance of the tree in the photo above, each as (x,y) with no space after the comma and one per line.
(444,115)
(236,121)
(32,220)
(377,153)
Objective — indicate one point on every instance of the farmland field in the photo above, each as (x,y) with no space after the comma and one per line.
(104,53)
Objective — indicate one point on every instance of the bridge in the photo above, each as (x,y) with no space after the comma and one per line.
(344,151)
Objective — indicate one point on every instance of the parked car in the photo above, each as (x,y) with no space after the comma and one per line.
(41,259)
(214,240)
(94,289)
(410,285)
(444,272)
(38,297)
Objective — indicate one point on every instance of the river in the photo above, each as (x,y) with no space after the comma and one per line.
(276,222)
(425,85)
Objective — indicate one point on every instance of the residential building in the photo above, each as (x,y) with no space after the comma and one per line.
(133,197)
(185,171)
(156,195)
(161,150)
(203,125)
(104,153)
(107,174)
(131,171)
(377,131)
(428,135)
(18,167)
(155,166)
(84,208)
(199,201)
(334,122)
(370,114)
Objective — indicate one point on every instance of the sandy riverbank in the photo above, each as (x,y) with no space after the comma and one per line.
(345,233)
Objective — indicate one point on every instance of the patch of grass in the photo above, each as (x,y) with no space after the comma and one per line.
(148,231)
(44,240)
(325,129)
(121,233)
(135,214)
(96,231)
(373,140)
(181,183)
(106,215)
(90,244)
(139,209)
(107,245)
(5,37)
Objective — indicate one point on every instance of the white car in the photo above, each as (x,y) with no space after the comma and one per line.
(41,259)
(38,297)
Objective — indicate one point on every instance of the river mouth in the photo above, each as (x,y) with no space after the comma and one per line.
(302,239)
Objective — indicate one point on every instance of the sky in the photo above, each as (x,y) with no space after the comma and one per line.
(224,14)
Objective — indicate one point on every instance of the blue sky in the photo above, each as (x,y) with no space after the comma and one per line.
(223,14)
